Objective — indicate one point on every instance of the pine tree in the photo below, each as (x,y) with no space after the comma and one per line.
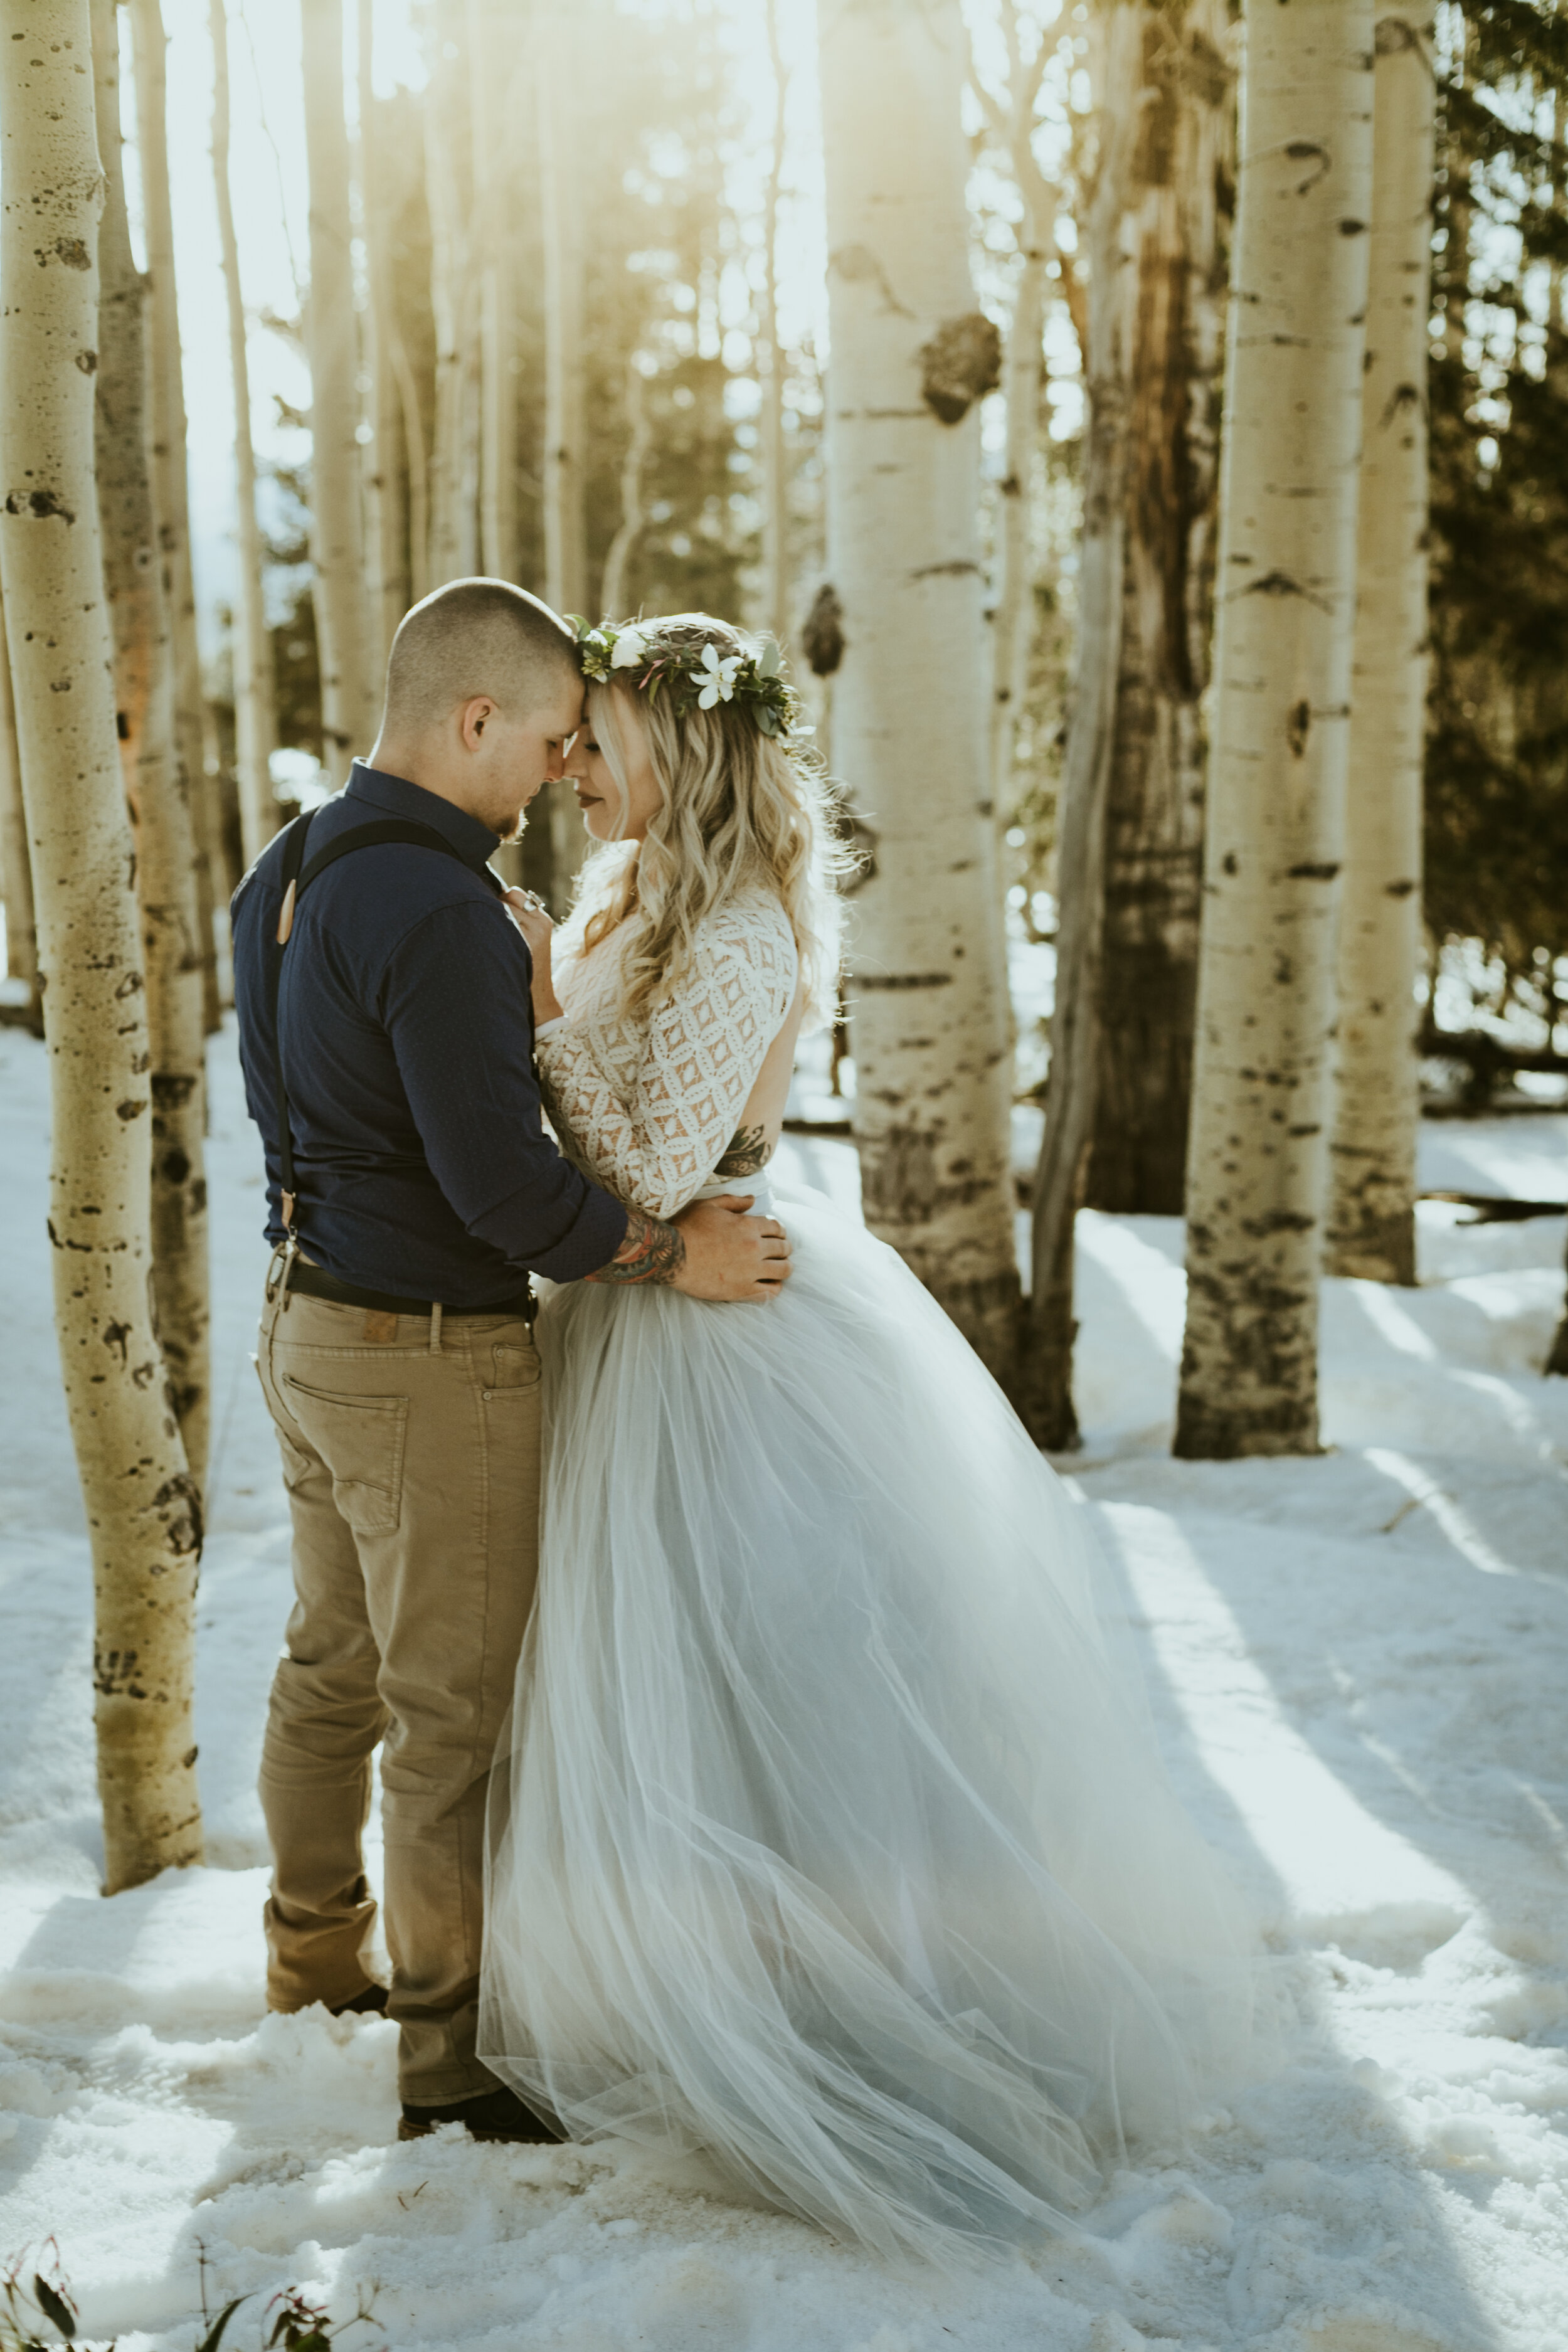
(1496,831)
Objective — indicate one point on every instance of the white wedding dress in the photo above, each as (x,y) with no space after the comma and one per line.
(829,1836)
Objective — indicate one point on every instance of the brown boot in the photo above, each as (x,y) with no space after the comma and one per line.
(492,2115)
(371,2002)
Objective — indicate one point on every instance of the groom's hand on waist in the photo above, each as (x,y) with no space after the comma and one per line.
(713,1249)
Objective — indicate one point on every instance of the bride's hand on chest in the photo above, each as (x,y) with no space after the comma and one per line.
(528,912)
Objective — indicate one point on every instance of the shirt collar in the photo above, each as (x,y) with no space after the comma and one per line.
(474,842)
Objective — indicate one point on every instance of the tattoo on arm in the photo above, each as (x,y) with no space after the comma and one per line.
(651,1252)
(747,1151)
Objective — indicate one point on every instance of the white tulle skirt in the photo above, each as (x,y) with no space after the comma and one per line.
(829,1836)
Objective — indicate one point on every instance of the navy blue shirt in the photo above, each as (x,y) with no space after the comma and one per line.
(420,1156)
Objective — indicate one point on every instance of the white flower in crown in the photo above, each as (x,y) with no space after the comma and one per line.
(630,648)
(717,678)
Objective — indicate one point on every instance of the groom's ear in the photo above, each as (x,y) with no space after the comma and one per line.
(473,716)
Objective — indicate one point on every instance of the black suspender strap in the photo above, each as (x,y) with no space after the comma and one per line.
(294,842)
(296,877)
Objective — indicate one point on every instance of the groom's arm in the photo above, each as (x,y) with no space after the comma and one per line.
(651,1252)
(454,1000)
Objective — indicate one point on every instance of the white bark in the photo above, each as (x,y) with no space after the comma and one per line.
(1372,1223)
(417,461)
(490,36)
(564,189)
(381,474)
(622,547)
(255,703)
(142,1511)
(1256,1166)
(454,463)
(910,360)
(157,786)
(771,427)
(171,493)
(351,698)
(1023,371)
(1045,1387)
(566,522)
(16,857)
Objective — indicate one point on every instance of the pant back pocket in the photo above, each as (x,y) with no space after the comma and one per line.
(361,1439)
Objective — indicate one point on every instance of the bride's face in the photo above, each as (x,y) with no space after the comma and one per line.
(599,796)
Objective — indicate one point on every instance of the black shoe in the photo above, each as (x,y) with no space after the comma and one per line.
(371,2002)
(492,2115)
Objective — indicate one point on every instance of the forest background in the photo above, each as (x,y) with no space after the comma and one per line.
(1232,721)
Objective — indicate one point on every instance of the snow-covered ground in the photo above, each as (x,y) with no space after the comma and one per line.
(1360,1663)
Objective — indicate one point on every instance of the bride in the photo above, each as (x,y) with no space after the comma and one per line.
(832,1840)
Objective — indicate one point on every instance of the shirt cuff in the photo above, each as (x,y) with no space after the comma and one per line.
(548,1028)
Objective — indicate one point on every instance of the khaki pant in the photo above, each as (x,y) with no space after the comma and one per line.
(412,1463)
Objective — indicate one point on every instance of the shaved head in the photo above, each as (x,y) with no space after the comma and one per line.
(475,638)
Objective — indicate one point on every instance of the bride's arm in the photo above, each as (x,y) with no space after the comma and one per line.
(705,1047)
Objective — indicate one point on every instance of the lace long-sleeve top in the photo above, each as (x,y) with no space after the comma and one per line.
(649,1106)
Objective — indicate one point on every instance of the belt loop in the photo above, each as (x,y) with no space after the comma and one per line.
(436,1327)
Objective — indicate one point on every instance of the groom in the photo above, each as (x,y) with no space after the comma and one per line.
(388,1047)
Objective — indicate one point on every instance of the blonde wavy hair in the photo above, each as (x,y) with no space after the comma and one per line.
(741,810)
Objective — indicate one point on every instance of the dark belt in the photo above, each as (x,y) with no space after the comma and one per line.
(312,1282)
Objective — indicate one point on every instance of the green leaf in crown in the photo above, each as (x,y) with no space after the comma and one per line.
(695,677)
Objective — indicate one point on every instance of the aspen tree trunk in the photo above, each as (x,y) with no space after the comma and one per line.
(490,33)
(417,464)
(166,852)
(565,521)
(377,489)
(386,480)
(1155,819)
(1045,1383)
(142,1509)
(405,562)
(1023,372)
(1258,1159)
(622,547)
(771,436)
(171,496)
(16,856)
(454,542)
(1557,1355)
(255,703)
(911,359)
(564,188)
(351,701)
(1372,1160)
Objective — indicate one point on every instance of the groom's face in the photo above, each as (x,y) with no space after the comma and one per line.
(519,754)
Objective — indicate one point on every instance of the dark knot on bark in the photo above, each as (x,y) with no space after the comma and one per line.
(961,363)
(822,632)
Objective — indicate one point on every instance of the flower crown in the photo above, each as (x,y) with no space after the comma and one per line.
(695,677)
